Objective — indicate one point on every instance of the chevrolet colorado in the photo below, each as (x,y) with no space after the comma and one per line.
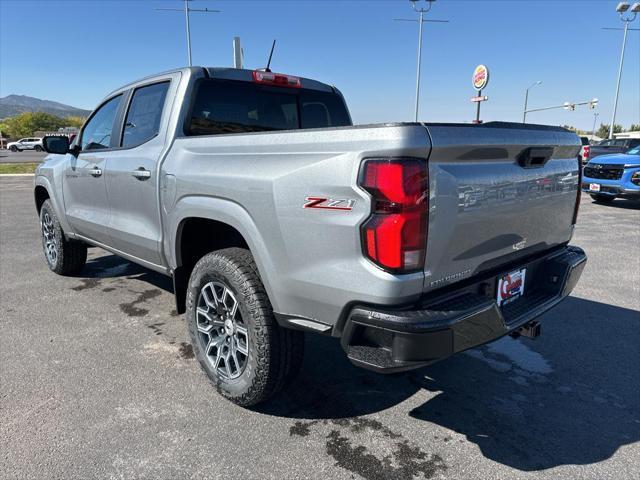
(275,216)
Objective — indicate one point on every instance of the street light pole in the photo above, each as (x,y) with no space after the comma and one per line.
(421,20)
(595,119)
(526,101)
(419,61)
(188,10)
(615,102)
(186,16)
(622,8)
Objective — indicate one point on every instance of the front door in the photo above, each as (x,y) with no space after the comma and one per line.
(132,177)
(84,188)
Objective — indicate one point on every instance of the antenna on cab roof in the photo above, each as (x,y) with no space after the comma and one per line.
(273,46)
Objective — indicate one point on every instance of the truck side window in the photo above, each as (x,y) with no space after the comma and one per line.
(97,133)
(145,111)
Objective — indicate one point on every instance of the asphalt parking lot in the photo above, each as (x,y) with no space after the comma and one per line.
(27,156)
(97,380)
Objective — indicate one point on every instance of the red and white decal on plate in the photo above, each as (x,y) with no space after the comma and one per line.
(511,286)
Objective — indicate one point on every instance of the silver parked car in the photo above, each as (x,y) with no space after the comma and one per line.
(30,143)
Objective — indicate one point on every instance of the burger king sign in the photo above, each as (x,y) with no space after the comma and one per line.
(480,77)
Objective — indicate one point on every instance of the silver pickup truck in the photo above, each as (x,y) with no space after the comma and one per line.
(275,216)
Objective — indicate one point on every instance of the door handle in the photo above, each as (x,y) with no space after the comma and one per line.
(95,172)
(141,174)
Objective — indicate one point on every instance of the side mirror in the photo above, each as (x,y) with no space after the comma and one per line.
(56,144)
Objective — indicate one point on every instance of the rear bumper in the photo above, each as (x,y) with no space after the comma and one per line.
(390,340)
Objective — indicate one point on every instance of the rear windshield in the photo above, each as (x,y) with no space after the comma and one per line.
(223,107)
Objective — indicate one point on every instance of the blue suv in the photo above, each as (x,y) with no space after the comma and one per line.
(609,176)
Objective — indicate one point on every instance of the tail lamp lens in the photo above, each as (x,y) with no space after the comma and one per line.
(585,152)
(395,235)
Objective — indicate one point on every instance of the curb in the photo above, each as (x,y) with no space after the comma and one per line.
(17,174)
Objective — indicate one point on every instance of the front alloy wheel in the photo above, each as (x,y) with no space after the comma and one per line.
(64,256)
(222,334)
(49,241)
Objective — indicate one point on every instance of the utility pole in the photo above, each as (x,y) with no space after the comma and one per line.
(622,9)
(421,20)
(187,10)
(595,119)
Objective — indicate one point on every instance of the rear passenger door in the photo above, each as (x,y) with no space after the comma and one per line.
(132,179)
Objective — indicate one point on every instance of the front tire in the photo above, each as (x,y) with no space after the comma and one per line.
(235,337)
(64,257)
(13,148)
(603,198)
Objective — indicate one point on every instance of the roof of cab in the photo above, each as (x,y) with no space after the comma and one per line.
(225,73)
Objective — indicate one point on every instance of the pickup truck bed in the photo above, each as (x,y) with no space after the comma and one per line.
(409,241)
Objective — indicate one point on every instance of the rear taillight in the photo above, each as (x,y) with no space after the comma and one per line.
(276,79)
(394,237)
(578,195)
(585,153)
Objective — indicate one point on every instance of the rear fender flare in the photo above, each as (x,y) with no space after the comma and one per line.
(225,211)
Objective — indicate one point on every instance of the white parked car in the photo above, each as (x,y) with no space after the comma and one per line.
(32,143)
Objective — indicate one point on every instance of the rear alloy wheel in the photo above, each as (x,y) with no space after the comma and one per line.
(222,334)
(64,257)
(603,198)
(233,331)
(38,148)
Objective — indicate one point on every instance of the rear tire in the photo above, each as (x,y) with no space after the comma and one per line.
(64,257)
(246,354)
(603,198)
(38,148)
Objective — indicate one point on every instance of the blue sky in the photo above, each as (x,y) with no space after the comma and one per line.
(77,51)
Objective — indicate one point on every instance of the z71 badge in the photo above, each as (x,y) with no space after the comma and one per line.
(329,203)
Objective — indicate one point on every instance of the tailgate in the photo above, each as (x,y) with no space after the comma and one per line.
(498,192)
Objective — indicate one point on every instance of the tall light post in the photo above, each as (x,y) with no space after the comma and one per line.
(188,10)
(526,100)
(421,20)
(627,15)
(595,119)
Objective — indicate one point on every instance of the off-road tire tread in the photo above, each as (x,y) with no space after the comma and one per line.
(278,351)
(72,254)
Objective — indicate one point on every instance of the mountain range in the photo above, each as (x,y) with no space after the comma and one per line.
(16,104)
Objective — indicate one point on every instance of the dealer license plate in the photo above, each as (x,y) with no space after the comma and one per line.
(511,286)
(594,187)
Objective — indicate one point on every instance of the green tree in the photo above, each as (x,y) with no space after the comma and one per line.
(4,128)
(27,123)
(635,127)
(603,131)
(74,121)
